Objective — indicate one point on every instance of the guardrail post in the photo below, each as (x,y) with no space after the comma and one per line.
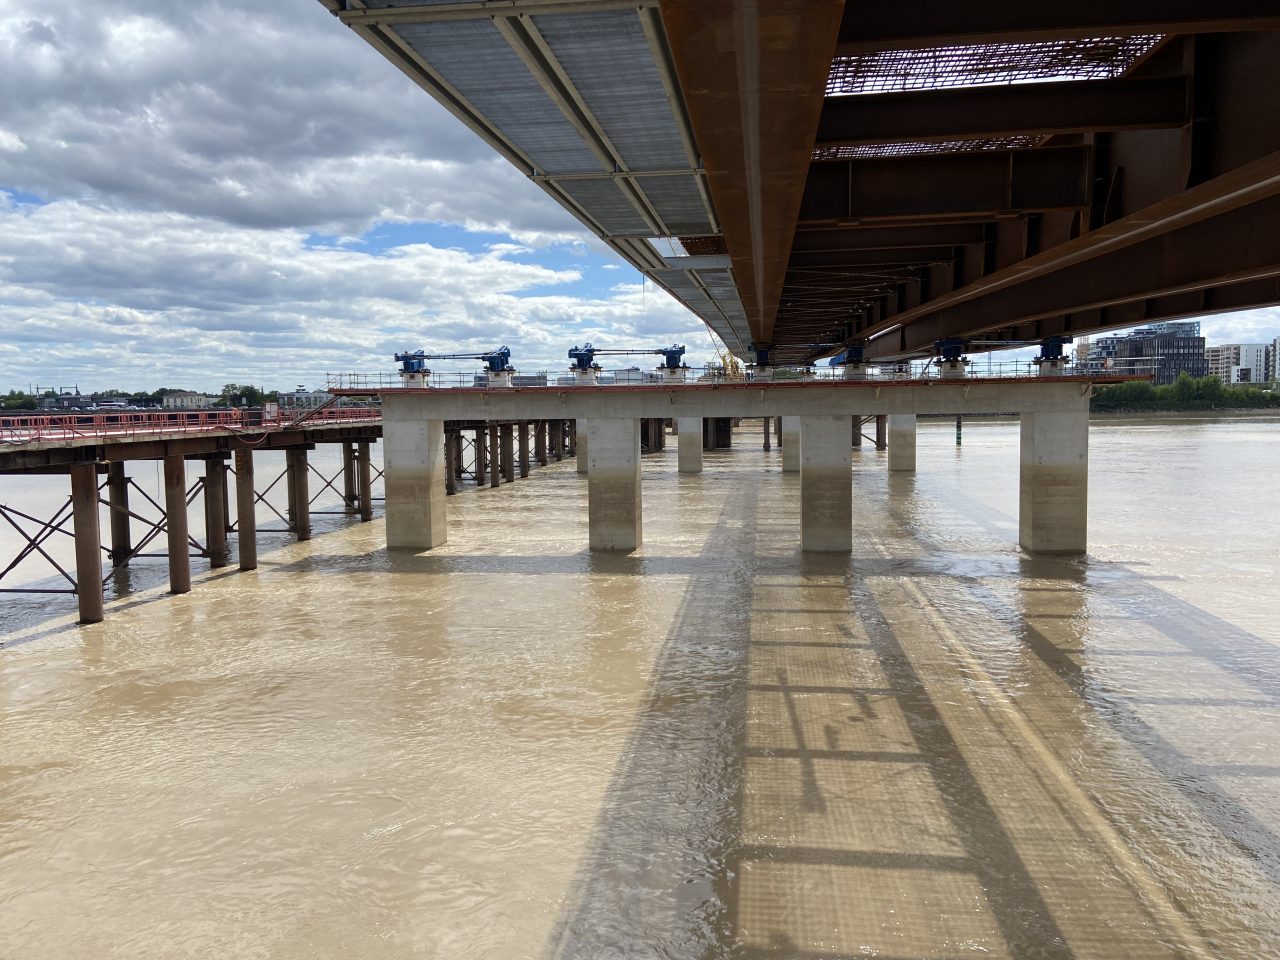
(88,542)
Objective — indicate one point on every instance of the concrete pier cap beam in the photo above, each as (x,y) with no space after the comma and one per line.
(413,474)
(1054,482)
(689,436)
(791,444)
(902,442)
(613,484)
(826,485)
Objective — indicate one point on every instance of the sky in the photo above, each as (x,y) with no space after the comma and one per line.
(193,194)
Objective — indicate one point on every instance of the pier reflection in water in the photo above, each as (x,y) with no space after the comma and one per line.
(716,747)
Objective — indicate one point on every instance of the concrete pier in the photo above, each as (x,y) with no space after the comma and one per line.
(508,453)
(495,457)
(767,445)
(366,482)
(613,484)
(902,442)
(1054,482)
(246,514)
(175,509)
(299,492)
(540,442)
(118,497)
(882,432)
(348,478)
(689,441)
(581,443)
(215,510)
(522,441)
(826,485)
(413,470)
(790,444)
(84,509)
(857,431)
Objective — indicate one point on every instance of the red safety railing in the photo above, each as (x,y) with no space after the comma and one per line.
(127,424)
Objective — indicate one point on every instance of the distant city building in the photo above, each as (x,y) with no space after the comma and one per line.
(187,400)
(1166,355)
(66,400)
(1273,361)
(1238,362)
(304,399)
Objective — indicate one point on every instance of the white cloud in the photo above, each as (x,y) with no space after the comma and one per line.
(104,297)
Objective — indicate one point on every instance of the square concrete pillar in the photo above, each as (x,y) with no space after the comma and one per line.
(902,442)
(613,484)
(689,440)
(413,474)
(581,442)
(790,444)
(1054,482)
(826,485)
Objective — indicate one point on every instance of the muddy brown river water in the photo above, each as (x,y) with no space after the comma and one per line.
(715,748)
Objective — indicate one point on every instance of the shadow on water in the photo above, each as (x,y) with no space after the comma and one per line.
(1199,635)
(653,881)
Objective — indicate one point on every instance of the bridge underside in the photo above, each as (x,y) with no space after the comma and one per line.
(807,174)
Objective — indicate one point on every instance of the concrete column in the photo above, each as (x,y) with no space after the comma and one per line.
(557,439)
(540,441)
(508,453)
(299,492)
(902,442)
(826,485)
(582,443)
(118,497)
(482,456)
(790,444)
(452,440)
(767,445)
(495,458)
(689,440)
(882,432)
(857,431)
(573,438)
(175,511)
(88,541)
(413,458)
(348,477)
(1054,482)
(215,510)
(366,480)
(246,510)
(522,438)
(613,484)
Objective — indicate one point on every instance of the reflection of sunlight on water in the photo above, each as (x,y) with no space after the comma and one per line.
(716,747)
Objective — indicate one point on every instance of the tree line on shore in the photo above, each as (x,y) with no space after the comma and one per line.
(231,395)
(1185,393)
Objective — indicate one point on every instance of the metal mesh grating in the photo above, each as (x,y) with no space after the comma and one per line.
(939,68)
(872,150)
(704,246)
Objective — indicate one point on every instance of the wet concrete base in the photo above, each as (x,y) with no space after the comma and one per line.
(717,746)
